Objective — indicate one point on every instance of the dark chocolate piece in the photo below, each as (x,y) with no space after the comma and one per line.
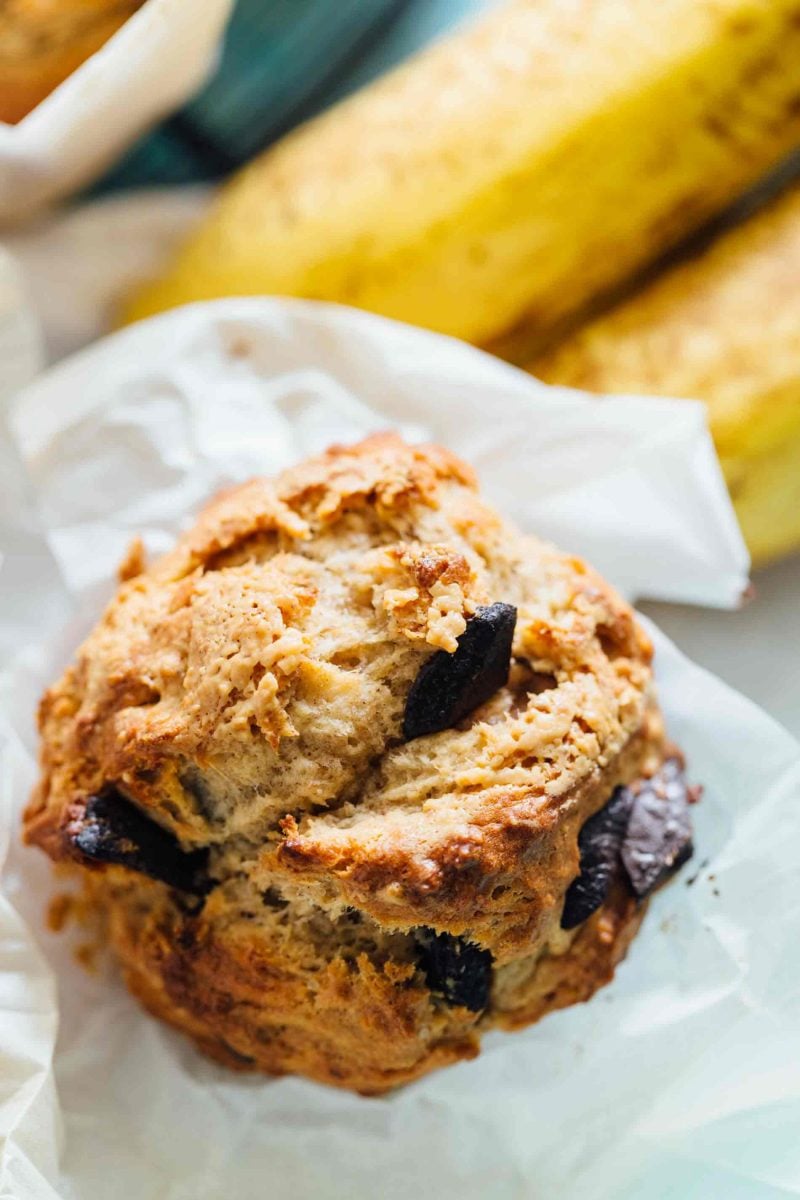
(451,685)
(599,841)
(113,830)
(659,837)
(457,969)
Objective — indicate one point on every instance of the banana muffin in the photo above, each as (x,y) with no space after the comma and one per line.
(358,771)
(44,41)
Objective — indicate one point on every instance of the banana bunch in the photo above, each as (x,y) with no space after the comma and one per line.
(500,184)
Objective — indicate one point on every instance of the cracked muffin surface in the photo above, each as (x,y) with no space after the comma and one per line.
(324,771)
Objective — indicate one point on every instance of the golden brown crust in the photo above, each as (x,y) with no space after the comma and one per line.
(498,874)
(558,980)
(247,693)
(44,41)
(352,1023)
(250,1002)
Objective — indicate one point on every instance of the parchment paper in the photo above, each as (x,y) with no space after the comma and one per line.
(679,1080)
(21,353)
(154,62)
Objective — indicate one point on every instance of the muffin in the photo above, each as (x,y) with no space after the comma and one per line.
(358,771)
(44,41)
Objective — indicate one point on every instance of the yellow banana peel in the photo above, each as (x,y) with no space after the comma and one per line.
(724,328)
(515,171)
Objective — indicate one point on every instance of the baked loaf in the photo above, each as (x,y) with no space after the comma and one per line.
(357,771)
(44,41)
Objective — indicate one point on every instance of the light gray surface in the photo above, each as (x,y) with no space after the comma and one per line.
(757,649)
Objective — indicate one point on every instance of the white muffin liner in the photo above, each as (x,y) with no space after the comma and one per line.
(678,1080)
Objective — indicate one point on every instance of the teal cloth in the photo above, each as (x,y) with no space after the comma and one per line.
(282,61)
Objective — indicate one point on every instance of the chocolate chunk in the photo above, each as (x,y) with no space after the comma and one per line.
(193,782)
(451,685)
(659,836)
(599,841)
(456,968)
(113,830)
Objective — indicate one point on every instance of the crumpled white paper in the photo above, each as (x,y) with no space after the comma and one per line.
(680,1079)
(21,351)
(154,62)
(80,263)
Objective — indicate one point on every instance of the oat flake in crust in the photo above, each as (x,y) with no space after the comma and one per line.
(363,907)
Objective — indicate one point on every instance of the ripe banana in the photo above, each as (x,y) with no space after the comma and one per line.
(515,171)
(724,328)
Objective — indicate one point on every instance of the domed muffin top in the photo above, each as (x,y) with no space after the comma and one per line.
(357,683)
